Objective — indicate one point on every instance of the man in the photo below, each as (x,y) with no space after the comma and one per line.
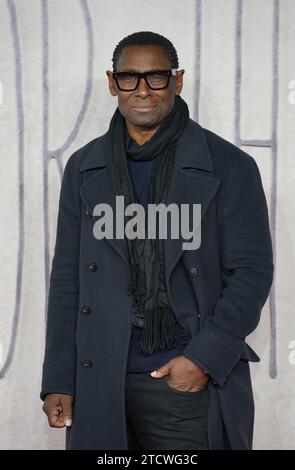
(145,343)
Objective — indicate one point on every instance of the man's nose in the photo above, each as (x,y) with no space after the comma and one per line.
(142,87)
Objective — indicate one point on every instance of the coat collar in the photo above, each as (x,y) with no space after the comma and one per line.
(187,186)
(196,155)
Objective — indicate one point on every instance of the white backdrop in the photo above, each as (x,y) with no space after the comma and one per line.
(239,81)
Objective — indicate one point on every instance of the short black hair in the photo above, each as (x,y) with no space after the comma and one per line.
(146,38)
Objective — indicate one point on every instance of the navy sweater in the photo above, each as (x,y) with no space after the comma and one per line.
(138,361)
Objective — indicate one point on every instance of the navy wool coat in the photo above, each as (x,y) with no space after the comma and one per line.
(89,310)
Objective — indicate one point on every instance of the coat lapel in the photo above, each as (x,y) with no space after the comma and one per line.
(97,188)
(192,182)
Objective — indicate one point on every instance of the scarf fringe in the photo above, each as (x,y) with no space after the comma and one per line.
(132,282)
(159,331)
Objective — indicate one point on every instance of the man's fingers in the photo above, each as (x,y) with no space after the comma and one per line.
(54,418)
(58,408)
(66,413)
(164,370)
(56,422)
(67,420)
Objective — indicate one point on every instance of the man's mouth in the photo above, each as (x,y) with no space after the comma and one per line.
(143,108)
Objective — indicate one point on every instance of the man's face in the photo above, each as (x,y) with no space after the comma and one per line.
(144,107)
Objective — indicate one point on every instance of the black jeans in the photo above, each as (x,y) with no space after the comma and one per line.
(160,417)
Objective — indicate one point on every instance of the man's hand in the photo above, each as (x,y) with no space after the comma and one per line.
(58,408)
(185,375)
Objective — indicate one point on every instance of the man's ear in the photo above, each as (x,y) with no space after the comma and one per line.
(179,81)
(112,83)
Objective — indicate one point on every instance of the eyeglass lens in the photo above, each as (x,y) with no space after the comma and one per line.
(155,80)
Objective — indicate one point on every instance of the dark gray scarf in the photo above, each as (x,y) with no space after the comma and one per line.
(146,256)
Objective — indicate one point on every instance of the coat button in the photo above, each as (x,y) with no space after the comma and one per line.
(193,271)
(87,211)
(92,267)
(86,310)
(87,364)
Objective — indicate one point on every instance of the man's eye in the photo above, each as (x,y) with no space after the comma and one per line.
(127,78)
(156,76)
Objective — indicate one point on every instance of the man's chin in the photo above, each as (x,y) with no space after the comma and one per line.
(147,120)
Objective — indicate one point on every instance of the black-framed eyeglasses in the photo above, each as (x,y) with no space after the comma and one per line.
(155,79)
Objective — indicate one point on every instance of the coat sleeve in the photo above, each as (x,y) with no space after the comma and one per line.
(59,359)
(247,269)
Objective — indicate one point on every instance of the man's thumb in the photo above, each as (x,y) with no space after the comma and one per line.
(67,412)
(164,370)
